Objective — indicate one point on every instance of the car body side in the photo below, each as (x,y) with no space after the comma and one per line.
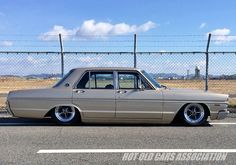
(37,103)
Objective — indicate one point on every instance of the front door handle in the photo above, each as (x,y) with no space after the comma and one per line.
(79,91)
(121,91)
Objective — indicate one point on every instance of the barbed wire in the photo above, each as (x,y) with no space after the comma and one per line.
(187,42)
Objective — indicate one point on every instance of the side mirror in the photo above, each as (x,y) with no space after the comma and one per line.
(141,87)
(163,86)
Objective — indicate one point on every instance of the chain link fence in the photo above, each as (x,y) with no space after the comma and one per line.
(24,69)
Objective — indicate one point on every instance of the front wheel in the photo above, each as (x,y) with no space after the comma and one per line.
(65,115)
(194,114)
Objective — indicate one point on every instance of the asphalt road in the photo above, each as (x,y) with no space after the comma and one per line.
(21,139)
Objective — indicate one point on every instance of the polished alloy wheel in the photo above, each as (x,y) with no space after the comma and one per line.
(65,113)
(194,114)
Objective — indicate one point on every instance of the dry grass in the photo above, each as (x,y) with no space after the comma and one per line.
(2,102)
(8,84)
(219,86)
(232,102)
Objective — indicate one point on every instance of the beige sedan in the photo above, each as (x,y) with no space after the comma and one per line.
(116,95)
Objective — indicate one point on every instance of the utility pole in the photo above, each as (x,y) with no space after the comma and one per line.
(62,56)
(207,62)
(135,44)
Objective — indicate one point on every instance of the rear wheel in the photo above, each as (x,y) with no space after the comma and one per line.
(65,115)
(194,114)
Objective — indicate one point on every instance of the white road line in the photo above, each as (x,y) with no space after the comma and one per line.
(222,123)
(58,151)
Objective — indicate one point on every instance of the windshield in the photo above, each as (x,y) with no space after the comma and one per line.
(151,79)
(62,80)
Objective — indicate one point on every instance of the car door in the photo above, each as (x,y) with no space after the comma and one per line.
(135,102)
(95,94)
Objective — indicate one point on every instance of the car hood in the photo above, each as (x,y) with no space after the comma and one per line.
(192,94)
(186,90)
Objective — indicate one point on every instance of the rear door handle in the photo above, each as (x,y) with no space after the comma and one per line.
(121,92)
(79,91)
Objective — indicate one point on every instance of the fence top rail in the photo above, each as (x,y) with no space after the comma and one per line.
(91,52)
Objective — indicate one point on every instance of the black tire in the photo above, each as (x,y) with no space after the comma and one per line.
(193,114)
(65,115)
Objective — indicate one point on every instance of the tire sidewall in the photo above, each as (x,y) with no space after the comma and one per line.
(74,120)
(185,121)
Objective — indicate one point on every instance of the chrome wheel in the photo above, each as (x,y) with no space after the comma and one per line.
(194,114)
(65,113)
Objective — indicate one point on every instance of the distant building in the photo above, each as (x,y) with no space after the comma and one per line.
(187,77)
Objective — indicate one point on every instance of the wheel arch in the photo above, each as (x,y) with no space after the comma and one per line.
(205,106)
(48,114)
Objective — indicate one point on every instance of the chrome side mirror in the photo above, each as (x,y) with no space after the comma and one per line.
(163,86)
(141,87)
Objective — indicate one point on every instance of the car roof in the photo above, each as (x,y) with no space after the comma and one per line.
(106,68)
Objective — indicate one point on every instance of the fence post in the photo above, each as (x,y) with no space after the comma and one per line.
(62,56)
(135,44)
(207,62)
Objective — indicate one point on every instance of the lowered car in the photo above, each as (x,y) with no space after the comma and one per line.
(116,95)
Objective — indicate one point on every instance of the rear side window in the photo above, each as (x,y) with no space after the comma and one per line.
(64,78)
(97,80)
(84,82)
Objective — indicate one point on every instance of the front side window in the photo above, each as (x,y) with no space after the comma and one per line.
(130,80)
(96,80)
(150,78)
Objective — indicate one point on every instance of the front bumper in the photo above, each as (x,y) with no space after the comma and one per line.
(222,114)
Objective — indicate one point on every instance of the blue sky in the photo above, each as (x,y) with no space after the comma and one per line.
(172,17)
(34,25)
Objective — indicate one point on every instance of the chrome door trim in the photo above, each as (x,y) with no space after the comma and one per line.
(116,83)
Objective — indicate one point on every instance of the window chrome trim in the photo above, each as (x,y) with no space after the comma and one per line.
(115,80)
(89,80)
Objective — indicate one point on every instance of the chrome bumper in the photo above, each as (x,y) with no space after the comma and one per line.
(222,114)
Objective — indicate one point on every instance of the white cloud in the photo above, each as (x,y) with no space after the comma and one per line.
(202,25)
(201,63)
(89,59)
(3,59)
(55,31)
(39,61)
(92,29)
(6,43)
(162,51)
(221,36)
(89,27)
